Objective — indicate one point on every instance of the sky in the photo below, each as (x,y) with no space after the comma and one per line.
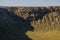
(29,2)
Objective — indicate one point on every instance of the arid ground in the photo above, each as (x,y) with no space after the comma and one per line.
(30,23)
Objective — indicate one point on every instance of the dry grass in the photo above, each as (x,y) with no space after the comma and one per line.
(50,35)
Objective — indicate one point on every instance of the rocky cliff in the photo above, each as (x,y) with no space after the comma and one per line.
(41,17)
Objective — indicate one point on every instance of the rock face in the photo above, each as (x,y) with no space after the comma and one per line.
(41,17)
(13,27)
(15,22)
(38,12)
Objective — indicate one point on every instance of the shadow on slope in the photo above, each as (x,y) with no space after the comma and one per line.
(38,14)
(13,27)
